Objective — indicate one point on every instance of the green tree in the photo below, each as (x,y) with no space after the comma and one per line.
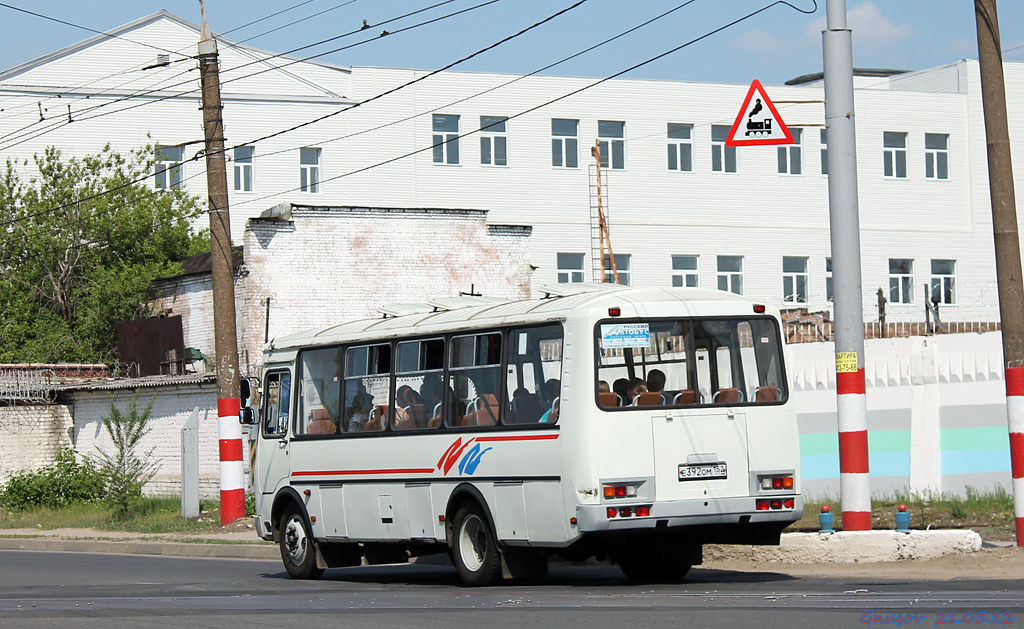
(80,244)
(125,469)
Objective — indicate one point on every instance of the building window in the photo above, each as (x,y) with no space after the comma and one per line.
(565,143)
(936,156)
(243,168)
(944,281)
(730,274)
(170,172)
(612,135)
(570,267)
(895,154)
(680,150)
(790,162)
(685,272)
(723,158)
(621,267)
(794,280)
(828,279)
(446,139)
(824,152)
(493,140)
(901,281)
(309,170)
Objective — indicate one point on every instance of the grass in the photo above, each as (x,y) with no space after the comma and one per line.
(152,515)
(989,512)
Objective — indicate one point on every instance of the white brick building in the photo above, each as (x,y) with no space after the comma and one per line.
(762,229)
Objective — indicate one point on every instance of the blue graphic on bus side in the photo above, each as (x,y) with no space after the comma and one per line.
(471,460)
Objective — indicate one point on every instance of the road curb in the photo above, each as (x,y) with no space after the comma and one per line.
(163,548)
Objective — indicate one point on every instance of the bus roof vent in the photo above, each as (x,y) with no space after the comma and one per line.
(399,310)
(577,288)
(465,301)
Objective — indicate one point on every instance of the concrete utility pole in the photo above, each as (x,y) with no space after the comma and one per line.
(232,477)
(854,488)
(1007,243)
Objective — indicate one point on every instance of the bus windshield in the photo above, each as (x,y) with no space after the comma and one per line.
(685,362)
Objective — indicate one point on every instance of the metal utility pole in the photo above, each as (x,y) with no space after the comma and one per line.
(855,490)
(232,478)
(1007,243)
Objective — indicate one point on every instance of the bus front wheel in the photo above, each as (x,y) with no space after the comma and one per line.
(297,549)
(475,548)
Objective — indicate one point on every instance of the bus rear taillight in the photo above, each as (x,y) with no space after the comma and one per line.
(620,491)
(643,512)
(628,512)
(764,504)
(777,482)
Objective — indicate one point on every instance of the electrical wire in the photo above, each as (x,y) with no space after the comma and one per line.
(553,100)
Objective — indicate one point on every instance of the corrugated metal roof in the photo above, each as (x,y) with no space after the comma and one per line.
(146,382)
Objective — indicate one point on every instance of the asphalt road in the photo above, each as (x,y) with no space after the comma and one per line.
(39,589)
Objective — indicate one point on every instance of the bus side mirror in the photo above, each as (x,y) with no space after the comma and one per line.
(246,415)
(245,392)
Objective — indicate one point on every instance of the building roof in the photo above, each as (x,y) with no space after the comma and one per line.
(868,72)
(145,382)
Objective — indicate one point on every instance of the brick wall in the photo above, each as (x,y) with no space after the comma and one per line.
(31,436)
(171,409)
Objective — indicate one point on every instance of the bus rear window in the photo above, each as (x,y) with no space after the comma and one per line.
(688,362)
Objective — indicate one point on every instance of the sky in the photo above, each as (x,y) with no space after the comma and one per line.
(777,44)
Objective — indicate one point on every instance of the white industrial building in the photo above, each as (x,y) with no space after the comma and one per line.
(683,208)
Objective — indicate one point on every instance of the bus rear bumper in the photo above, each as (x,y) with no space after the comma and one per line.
(738,511)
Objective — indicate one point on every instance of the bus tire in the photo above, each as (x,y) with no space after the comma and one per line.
(475,547)
(655,564)
(298,551)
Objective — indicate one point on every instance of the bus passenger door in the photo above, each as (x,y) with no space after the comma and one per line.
(272,452)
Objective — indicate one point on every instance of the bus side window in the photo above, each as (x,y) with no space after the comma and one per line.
(367,388)
(475,374)
(319,391)
(418,384)
(535,370)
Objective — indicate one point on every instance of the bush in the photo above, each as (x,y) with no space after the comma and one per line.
(64,482)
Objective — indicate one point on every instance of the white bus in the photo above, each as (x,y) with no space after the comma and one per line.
(633,425)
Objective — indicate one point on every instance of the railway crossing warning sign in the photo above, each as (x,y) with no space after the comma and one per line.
(758,122)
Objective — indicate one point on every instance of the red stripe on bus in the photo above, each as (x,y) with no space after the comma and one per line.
(1015,381)
(1017,455)
(850,382)
(228,406)
(354,472)
(853,452)
(519,438)
(230,449)
(856,520)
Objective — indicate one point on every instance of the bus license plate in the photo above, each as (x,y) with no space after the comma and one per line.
(702,471)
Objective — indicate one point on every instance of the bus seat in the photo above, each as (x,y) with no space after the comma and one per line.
(435,418)
(485,411)
(766,394)
(378,418)
(321,427)
(729,395)
(608,398)
(685,397)
(651,398)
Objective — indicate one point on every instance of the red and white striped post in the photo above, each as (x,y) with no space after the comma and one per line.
(844,231)
(1015,419)
(232,472)
(854,484)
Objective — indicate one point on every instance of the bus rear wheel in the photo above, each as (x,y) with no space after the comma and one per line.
(475,548)
(656,564)
(297,548)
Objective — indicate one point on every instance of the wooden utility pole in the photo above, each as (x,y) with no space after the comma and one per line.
(232,486)
(602,223)
(1007,242)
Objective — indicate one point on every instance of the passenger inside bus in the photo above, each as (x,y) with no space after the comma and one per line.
(409,408)
(621,388)
(634,389)
(656,380)
(358,412)
(550,391)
